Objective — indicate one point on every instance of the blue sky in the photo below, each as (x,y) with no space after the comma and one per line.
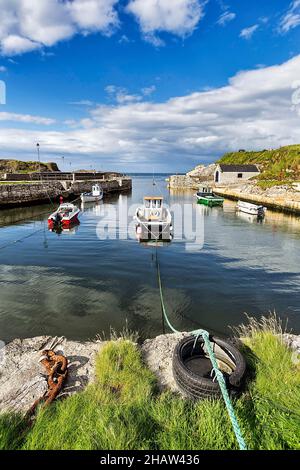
(140,84)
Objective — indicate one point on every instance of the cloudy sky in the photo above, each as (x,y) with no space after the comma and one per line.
(136,85)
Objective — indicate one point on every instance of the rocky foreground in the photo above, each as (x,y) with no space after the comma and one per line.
(22,379)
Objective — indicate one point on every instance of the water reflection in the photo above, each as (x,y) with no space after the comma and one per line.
(71,230)
(82,285)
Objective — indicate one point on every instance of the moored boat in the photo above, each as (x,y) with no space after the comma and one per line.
(207,197)
(154,220)
(65,216)
(95,195)
(252,209)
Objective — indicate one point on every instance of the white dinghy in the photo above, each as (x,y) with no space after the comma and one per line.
(252,209)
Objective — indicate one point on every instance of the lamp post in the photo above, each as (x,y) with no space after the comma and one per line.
(39,159)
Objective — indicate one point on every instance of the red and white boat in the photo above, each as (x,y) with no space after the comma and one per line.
(65,216)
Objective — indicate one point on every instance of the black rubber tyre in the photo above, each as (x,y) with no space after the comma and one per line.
(201,385)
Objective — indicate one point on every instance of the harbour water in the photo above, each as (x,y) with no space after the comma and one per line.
(83,283)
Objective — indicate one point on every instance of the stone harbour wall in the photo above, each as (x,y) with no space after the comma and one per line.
(281,198)
(12,195)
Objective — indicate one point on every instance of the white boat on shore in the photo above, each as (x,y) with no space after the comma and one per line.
(154,220)
(95,195)
(252,209)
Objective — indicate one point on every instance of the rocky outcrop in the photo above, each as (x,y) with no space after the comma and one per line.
(13,166)
(22,379)
(203,173)
(192,180)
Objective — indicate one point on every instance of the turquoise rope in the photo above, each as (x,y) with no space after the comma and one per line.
(218,373)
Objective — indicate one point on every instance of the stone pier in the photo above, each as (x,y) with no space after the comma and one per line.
(12,195)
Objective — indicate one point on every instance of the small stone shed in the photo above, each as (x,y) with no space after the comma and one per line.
(227,174)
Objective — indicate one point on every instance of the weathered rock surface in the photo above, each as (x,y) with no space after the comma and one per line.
(192,180)
(203,173)
(158,354)
(293,342)
(22,379)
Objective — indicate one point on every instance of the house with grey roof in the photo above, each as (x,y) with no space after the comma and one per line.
(228,174)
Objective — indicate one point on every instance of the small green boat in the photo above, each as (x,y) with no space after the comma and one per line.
(208,198)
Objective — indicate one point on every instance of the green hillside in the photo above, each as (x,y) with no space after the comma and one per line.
(280,166)
(17,166)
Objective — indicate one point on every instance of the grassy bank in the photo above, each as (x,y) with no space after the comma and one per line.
(124,410)
(280,166)
(18,166)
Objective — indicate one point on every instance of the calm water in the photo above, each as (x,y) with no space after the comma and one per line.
(77,285)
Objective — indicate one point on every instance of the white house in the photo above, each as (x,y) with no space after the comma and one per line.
(234,173)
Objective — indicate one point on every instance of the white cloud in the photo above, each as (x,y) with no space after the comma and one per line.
(291,19)
(254,111)
(3,69)
(147,91)
(226,17)
(94,15)
(26,25)
(179,17)
(121,95)
(26,118)
(13,44)
(247,33)
(82,103)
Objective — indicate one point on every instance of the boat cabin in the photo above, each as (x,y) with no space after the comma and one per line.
(205,191)
(153,207)
(96,191)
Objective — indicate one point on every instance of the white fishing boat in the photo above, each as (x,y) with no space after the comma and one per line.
(95,195)
(65,216)
(251,209)
(154,220)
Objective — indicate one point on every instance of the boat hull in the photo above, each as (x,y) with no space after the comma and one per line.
(147,231)
(85,198)
(210,201)
(251,209)
(65,223)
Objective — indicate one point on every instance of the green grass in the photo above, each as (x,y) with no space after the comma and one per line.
(123,409)
(18,166)
(280,166)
